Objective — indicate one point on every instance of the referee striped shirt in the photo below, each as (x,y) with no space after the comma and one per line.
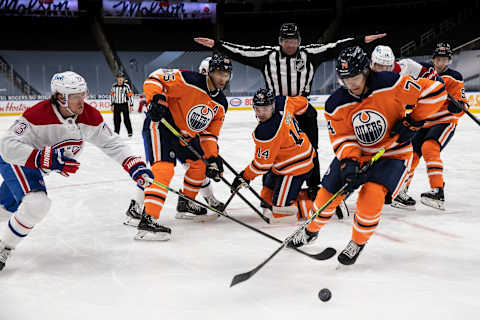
(286,75)
(121,94)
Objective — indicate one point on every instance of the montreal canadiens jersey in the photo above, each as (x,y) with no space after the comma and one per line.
(280,145)
(43,126)
(194,110)
(360,126)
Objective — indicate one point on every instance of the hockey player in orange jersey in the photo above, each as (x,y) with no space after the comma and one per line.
(195,105)
(368,113)
(439,128)
(283,155)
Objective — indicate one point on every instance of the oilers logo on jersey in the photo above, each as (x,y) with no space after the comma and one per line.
(199,117)
(370,126)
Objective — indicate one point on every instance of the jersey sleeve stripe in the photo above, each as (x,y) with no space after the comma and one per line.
(433,101)
(430,89)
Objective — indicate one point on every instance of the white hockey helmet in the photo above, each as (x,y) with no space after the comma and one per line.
(68,82)
(203,67)
(382,55)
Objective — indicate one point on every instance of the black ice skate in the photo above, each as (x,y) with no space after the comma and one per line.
(404,201)
(133,213)
(214,202)
(4,254)
(434,198)
(350,254)
(188,209)
(149,229)
(302,238)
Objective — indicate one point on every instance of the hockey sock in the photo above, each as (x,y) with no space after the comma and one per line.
(369,209)
(323,217)
(155,196)
(304,204)
(431,153)
(415,162)
(194,177)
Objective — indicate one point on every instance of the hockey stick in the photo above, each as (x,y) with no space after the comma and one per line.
(247,275)
(255,193)
(324,255)
(197,154)
(461,106)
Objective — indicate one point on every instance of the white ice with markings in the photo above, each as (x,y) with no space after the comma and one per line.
(81,262)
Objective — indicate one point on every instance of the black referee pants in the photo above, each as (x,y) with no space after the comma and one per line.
(118,109)
(308,124)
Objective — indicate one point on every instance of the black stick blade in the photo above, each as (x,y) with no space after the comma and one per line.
(325,254)
(240,278)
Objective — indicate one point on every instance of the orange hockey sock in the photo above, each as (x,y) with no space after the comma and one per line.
(192,182)
(322,197)
(431,154)
(369,209)
(155,196)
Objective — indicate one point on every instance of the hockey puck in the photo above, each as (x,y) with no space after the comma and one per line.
(324,294)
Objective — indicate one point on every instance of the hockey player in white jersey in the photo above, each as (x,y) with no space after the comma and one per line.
(134,211)
(49,137)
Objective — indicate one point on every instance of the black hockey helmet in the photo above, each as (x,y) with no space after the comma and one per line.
(263,97)
(220,62)
(289,31)
(442,50)
(351,62)
(120,74)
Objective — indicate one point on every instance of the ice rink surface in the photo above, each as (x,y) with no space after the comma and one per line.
(81,262)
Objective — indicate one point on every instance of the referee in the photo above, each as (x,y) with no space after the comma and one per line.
(121,98)
(288,70)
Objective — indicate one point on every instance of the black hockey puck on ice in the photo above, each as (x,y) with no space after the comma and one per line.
(324,294)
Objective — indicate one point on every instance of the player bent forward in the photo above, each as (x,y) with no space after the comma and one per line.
(49,137)
(362,117)
(283,155)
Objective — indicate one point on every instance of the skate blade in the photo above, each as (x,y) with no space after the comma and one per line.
(205,218)
(402,206)
(152,236)
(433,203)
(132,222)
(184,216)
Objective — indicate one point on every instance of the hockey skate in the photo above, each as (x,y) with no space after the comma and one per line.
(350,254)
(303,237)
(213,202)
(189,210)
(150,230)
(133,213)
(4,254)
(434,198)
(404,201)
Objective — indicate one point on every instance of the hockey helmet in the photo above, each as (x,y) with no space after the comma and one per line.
(289,31)
(67,83)
(220,62)
(351,62)
(383,55)
(442,50)
(263,97)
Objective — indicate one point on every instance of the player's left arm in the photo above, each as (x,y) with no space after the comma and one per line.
(263,159)
(297,105)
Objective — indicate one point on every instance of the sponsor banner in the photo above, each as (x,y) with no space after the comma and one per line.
(14,106)
(155,9)
(39,8)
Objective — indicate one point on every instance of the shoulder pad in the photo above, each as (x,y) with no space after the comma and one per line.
(41,114)
(337,98)
(381,80)
(90,116)
(453,73)
(267,130)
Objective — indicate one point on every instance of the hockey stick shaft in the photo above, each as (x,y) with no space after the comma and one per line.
(255,193)
(319,256)
(199,156)
(247,275)
(461,106)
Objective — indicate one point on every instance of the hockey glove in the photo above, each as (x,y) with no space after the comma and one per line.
(214,168)
(351,175)
(239,182)
(139,172)
(54,159)
(455,106)
(158,107)
(406,128)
